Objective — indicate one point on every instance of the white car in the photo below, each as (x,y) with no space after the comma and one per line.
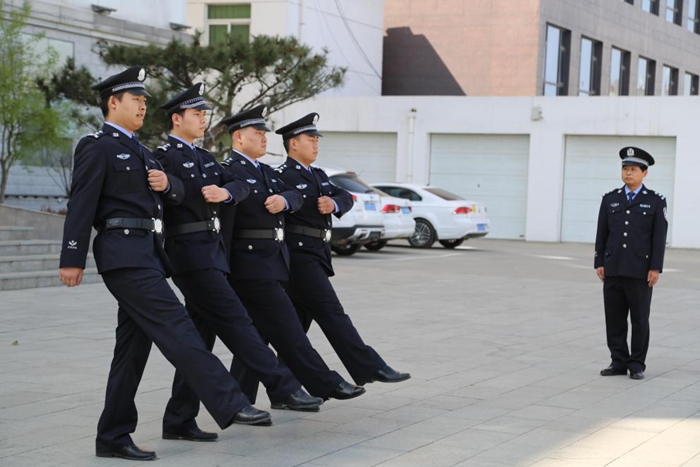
(364,223)
(398,220)
(440,215)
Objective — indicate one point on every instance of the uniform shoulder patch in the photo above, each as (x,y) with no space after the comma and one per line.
(610,192)
(318,168)
(281,168)
(165,148)
(97,134)
(227,162)
(202,149)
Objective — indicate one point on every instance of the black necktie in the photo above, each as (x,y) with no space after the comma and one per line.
(138,144)
(630,196)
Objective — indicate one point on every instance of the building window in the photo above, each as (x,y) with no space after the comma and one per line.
(651,6)
(670,81)
(691,85)
(589,72)
(619,72)
(674,11)
(631,2)
(556,65)
(646,74)
(693,18)
(225,20)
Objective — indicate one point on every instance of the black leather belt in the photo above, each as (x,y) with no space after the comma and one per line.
(323,234)
(266,234)
(211,225)
(154,225)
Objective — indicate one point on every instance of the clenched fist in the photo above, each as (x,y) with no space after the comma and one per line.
(215,194)
(158,180)
(326,205)
(275,204)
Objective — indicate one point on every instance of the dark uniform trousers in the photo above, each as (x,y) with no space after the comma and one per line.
(259,267)
(110,182)
(200,266)
(630,241)
(309,287)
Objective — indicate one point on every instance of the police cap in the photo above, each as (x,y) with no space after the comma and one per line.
(130,80)
(253,117)
(636,156)
(190,99)
(305,124)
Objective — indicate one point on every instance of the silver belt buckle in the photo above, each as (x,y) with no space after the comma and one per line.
(326,235)
(158,226)
(279,235)
(217,224)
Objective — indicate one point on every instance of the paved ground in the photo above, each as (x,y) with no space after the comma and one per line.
(504,341)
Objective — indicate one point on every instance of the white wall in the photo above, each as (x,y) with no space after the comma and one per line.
(561,116)
(354,38)
(158,13)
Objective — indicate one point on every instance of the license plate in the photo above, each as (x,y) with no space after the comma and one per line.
(406,210)
(375,235)
(370,206)
(481,227)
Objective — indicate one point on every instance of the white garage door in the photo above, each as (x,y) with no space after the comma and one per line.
(491,169)
(371,155)
(592,168)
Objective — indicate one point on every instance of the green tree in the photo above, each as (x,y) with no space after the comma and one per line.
(27,124)
(276,71)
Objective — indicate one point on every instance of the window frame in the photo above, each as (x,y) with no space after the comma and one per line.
(563,61)
(676,9)
(653,6)
(691,90)
(693,24)
(650,76)
(595,68)
(228,22)
(623,88)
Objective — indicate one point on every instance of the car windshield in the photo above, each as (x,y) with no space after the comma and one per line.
(444,194)
(351,183)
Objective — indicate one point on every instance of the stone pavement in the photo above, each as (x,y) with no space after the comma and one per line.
(504,341)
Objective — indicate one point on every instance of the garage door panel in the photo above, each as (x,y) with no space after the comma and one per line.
(592,168)
(371,155)
(491,169)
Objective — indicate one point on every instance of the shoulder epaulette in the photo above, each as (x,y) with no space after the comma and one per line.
(317,168)
(165,147)
(97,134)
(227,162)
(202,149)
(610,192)
(281,168)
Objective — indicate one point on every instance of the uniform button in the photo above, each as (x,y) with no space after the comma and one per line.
(146,167)
(255,191)
(303,196)
(644,213)
(647,256)
(628,211)
(625,234)
(270,190)
(128,168)
(159,206)
(280,222)
(204,175)
(216,173)
(126,231)
(250,247)
(301,243)
(624,245)
(192,176)
(214,212)
(627,222)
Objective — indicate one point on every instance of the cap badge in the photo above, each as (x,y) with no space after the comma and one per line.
(315,119)
(201,89)
(123,156)
(142,74)
(264,110)
(630,152)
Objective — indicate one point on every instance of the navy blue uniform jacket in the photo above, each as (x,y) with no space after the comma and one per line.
(257,259)
(205,249)
(312,185)
(631,238)
(110,179)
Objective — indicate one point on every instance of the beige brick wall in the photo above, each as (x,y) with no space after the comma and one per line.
(490,47)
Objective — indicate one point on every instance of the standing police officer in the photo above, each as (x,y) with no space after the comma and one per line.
(629,255)
(308,234)
(260,262)
(119,188)
(199,261)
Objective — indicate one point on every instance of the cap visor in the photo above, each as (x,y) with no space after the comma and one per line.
(261,126)
(638,164)
(138,92)
(314,133)
(202,106)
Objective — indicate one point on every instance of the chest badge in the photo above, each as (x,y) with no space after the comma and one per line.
(251,181)
(301,186)
(208,164)
(614,205)
(123,156)
(324,183)
(648,206)
(188,165)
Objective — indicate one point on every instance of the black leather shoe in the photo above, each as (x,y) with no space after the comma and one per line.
(130,452)
(636,374)
(251,416)
(193,434)
(388,375)
(346,390)
(612,371)
(299,400)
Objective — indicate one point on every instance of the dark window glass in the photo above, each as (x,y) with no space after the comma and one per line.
(556,64)
(646,77)
(444,194)
(674,11)
(589,71)
(670,81)
(351,183)
(690,87)
(651,6)
(619,72)
(693,19)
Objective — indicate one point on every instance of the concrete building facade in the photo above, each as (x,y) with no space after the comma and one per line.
(541,47)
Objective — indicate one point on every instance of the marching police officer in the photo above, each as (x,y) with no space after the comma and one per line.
(260,262)
(308,233)
(629,255)
(197,254)
(119,188)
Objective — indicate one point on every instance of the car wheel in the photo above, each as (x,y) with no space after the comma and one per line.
(346,250)
(452,243)
(423,236)
(375,246)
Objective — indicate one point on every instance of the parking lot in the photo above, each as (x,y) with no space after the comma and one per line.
(504,340)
